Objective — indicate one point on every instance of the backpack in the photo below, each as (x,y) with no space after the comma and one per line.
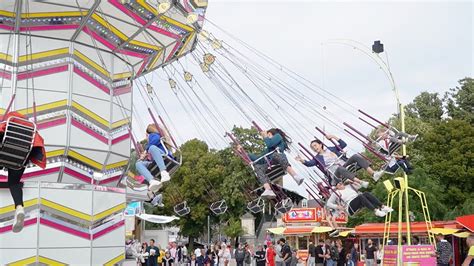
(334,253)
(247,257)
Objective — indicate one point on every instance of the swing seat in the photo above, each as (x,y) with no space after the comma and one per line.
(135,184)
(218,207)
(273,171)
(17,142)
(353,167)
(171,166)
(256,206)
(323,190)
(284,206)
(182,209)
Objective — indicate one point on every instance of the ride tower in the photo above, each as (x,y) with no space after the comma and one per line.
(69,66)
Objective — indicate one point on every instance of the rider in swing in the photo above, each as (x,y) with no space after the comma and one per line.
(275,139)
(36,156)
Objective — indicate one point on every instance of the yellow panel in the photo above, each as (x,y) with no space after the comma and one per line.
(65,209)
(92,63)
(54,14)
(50,262)
(115,260)
(7,14)
(109,26)
(84,159)
(186,43)
(147,45)
(90,114)
(155,60)
(177,23)
(23,262)
(5,57)
(43,107)
(54,153)
(120,123)
(34,56)
(123,75)
(117,164)
(109,211)
(11,207)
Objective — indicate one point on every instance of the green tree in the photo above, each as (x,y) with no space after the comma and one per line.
(460,101)
(426,106)
(234,229)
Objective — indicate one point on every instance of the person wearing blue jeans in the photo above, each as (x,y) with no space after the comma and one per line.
(156,149)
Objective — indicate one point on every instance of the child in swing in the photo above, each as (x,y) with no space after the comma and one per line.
(275,139)
(154,151)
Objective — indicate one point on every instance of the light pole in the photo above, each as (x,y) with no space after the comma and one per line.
(401,184)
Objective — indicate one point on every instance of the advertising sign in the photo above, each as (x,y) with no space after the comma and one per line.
(311,215)
(390,255)
(419,255)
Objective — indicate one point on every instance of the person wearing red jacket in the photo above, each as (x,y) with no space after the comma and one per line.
(37,156)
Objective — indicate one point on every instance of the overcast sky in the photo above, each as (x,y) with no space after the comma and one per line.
(429,46)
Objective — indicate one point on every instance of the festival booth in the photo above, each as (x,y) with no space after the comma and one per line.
(423,252)
(302,225)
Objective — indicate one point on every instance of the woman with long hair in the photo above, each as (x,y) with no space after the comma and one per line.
(278,142)
(156,149)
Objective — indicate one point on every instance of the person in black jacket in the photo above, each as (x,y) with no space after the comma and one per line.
(319,258)
(260,256)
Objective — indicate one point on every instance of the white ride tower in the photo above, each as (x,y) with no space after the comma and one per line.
(68,65)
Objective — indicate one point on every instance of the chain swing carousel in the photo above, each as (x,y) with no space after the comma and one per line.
(68,67)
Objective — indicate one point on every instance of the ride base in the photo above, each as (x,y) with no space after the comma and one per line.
(65,224)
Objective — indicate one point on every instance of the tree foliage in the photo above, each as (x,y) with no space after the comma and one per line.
(442,155)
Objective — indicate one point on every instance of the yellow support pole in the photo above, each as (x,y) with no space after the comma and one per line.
(405,176)
(400,225)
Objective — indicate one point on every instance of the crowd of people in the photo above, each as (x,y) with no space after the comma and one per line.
(326,252)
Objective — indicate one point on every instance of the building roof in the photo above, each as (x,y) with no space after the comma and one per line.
(466,221)
(416,227)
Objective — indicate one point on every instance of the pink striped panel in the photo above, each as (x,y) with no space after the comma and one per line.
(100,39)
(63,228)
(122,90)
(43,72)
(164,32)
(126,11)
(130,53)
(6,75)
(108,229)
(178,43)
(49,27)
(52,123)
(77,175)
(89,131)
(3,178)
(91,80)
(121,138)
(108,180)
(9,227)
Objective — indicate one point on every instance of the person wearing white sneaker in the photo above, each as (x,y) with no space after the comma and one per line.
(37,156)
(276,141)
(19,220)
(333,161)
(156,149)
(349,200)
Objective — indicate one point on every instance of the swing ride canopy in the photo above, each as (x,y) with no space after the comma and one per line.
(70,65)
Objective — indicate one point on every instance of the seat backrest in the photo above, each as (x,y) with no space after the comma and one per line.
(17,142)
